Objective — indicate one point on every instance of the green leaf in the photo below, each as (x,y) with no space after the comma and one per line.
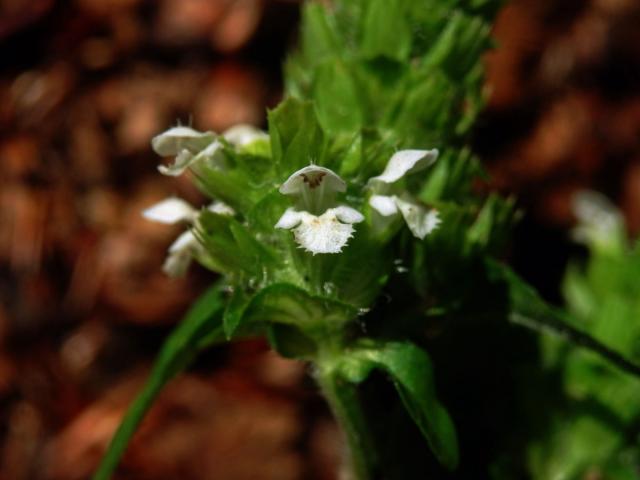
(232,317)
(452,176)
(428,110)
(386,31)
(342,396)
(337,98)
(287,304)
(491,229)
(231,247)
(410,370)
(297,139)
(440,264)
(360,271)
(229,185)
(319,37)
(458,48)
(350,156)
(527,309)
(256,169)
(290,342)
(200,328)
(367,156)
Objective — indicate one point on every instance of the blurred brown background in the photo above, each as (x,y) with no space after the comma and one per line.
(85,84)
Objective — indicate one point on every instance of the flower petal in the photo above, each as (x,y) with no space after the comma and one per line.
(420,221)
(599,220)
(221,208)
(186,159)
(404,162)
(323,234)
(179,165)
(384,205)
(171,210)
(594,208)
(346,214)
(177,139)
(290,219)
(180,254)
(312,177)
(186,241)
(241,135)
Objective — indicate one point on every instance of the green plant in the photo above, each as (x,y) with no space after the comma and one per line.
(352,231)
(593,415)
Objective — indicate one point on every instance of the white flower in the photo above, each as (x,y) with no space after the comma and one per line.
(310,178)
(191,147)
(182,251)
(600,223)
(327,233)
(242,135)
(315,188)
(180,254)
(404,162)
(319,225)
(171,210)
(383,204)
(186,159)
(420,220)
(178,139)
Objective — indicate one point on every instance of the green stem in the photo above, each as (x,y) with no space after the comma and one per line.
(343,400)
(564,330)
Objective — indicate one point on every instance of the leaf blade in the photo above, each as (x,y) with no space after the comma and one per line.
(412,374)
(177,352)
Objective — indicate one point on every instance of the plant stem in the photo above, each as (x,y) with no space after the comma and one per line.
(563,329)
(343,400)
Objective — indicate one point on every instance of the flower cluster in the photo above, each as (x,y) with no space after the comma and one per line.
(320,223)
(189,147)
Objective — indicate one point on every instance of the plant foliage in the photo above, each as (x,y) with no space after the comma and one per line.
(338,236)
